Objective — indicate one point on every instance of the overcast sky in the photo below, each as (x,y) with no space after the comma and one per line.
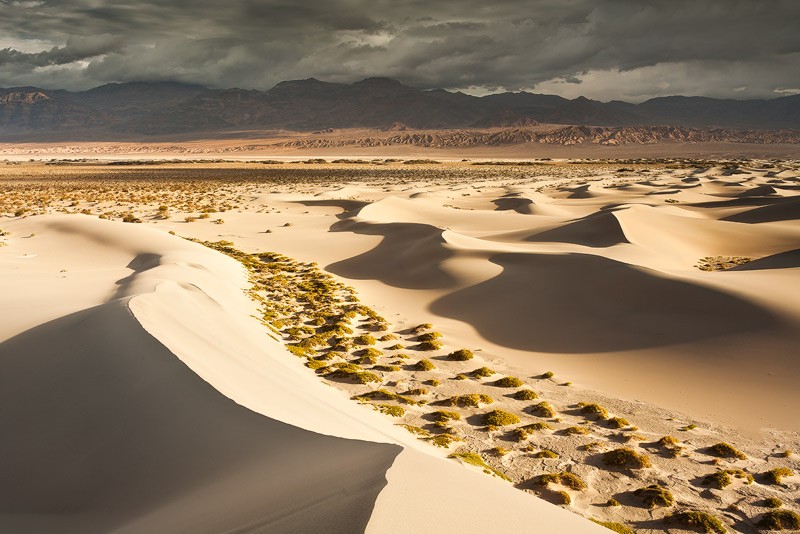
(604,49)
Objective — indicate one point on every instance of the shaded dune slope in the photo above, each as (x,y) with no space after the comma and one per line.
(110,428)
(630,308)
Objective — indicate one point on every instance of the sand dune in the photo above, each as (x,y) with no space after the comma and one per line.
(166,407)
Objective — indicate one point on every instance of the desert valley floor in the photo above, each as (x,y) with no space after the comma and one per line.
(395,345)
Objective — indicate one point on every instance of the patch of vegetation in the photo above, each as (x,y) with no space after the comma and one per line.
(593,409)
(499,418)
(575,431)
(546,376)
(472,400)
(654,496)
(460,376)
(482,372)
(626,458)
(617,422)
(444,440)
(476,460)
(396,346)
(364,339)
(619,528)
(699,520)
(499,451)
(421,328)
(424,365)
(525,394)
(417,431)
(721,263)
(772,502)
(391,409)
(433,382)
(386,368)
(725,450)
(779,520)
(509,382)
(546,453)
(543,409)
(563,498)
(444,416)
(775,476)
(612,502)
(722,478)
(429,336)
(564,478)
(430,345)
(461,355)
(668,441)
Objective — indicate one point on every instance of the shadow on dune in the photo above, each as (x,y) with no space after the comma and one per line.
(599,230)
(350,208)
(577,303)
(784,260)
(105,430)
(781,209)
(518,204)
(409,256)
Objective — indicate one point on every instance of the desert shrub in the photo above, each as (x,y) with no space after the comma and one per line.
(390,409)
(548,375)
(482,372)
(472,400)
(430,345)
(779,520)
(460,376)
(563,498)
(443,416)
(618,422)
(396,346)
(498,451)
(509,382)
(774,476)
(546,453)
(421,328)
(575,430)
(612,502)
(702,520)
(689,427)
(668,441)
(353,372)
(315,364)
(722,478)
(416,391)
(564,478)
(619,528)
(387,337)
(417,431)
(655,496)
(525,394)
(625,457)
(444,440)
(499,418)
(543,409)
(433,382)
(364,339)
(725,450)
(593,409)
(429,336)
(300,351)
(476,460)
(386,368)
(772,502)
(460,355)
(424,365)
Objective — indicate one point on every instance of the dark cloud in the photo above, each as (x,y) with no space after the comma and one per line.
(610,49)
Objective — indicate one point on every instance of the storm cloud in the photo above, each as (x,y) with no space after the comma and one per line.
(614,49)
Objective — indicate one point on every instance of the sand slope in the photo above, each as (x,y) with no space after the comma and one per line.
(165,407)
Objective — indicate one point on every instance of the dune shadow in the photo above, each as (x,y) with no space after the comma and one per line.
(104,428)
(409,256)
(350,208)
(518,204)
(578,303)
(783,260)
(598,230)
(780,209)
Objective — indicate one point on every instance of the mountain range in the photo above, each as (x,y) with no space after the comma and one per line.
(159,108)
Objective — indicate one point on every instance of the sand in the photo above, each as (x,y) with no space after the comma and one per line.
(145,349)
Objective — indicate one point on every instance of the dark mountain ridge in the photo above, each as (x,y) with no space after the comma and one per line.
(146,108)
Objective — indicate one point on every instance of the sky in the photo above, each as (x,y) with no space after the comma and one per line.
(602,49)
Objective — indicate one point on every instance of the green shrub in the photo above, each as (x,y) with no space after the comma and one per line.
(548,375)
(460,355)
(612,502)
(433,383)
(525,394)
(417,431)
(476,460)
(421,328)
(564,478)
(563,498)
(429,336)
(396,346)
(774,476)
(617,422)
(460,376)
(417,391)
(772,502)
(472,400)
(430,345)
(779,520)
(702,520)
(575,430)
(444,440)
(390,409)
(722,478)
(482,372)
(315,364)
(593,409)
(543,409)
(424,365)
(619,528)
(499,418)
(724,450)
(627,458)
(364,339)
(655,496)
(443,416)
(387,337)
(386,368)
(509,382)
(498,451)
(546,453)
(668,441)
